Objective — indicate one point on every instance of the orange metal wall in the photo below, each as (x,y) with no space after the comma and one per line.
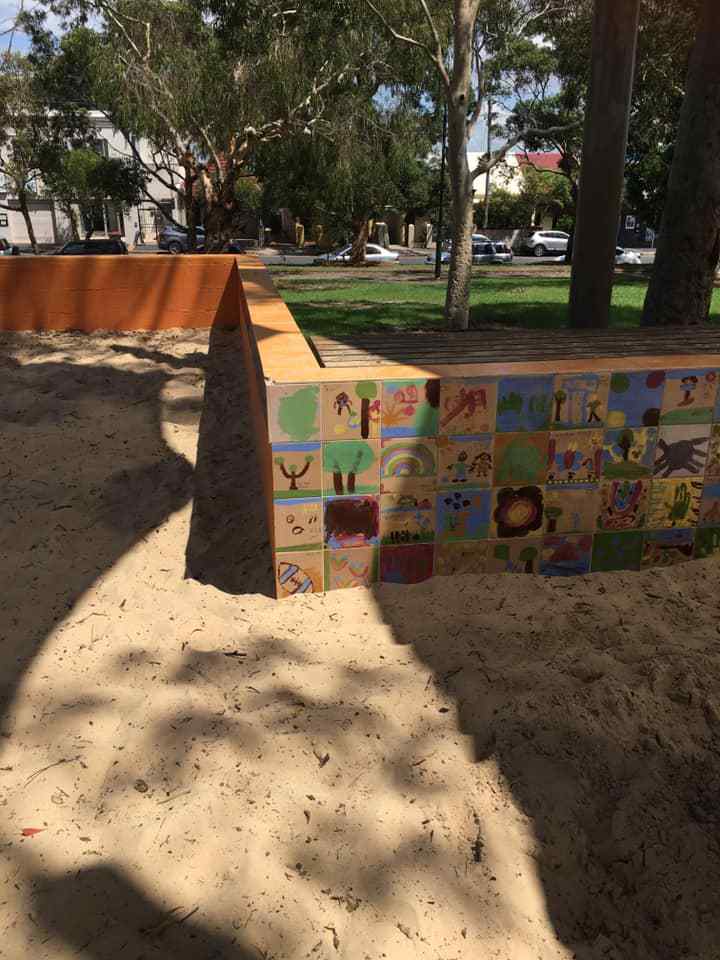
(144,292)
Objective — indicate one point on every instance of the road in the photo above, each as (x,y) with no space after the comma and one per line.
(419,260)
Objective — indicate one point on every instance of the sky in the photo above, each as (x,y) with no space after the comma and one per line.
(8,11)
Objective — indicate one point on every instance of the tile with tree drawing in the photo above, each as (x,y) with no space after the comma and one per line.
(520,458)
(524,404)
(514,556)
(629,453)
(293,413)
(351,410)
(351,467)
(579,401)
(571,509)
(296,470)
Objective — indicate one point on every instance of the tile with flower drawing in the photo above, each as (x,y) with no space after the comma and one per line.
(463,514)
(410,408)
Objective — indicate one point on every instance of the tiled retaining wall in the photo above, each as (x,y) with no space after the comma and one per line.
(554,474)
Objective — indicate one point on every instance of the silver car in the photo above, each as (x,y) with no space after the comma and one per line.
(544,242)
(374,253)
(491,253)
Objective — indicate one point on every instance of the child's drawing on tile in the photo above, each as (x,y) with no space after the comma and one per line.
(623,504)
(635,399)
(297,573)
(407,564)
(575,456)
(407,518)
(357,567)
(296,470)
(689,396)
(463,515)
(294,413)
(524,403)
(350,466)
(710,505)
(579,401)
(674,503)
(520,458)
(460,557)
(410,408)
(298,524)
(571,509)
(518,511)
(566,556)
(408,465)
(665,548)
(629,453)
(617,551)
(351,522)
(465,461)
(512,556)
(682,451)
(467,407)
(351,410)
(707,542)
(712,467)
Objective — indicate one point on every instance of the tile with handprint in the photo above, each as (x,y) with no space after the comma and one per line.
(674,503)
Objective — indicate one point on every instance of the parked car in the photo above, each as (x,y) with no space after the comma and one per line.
(81,248)
(491,253)
(543,242)
(8,250)
(175,240)
(626,256)
(373,254)
(486,252)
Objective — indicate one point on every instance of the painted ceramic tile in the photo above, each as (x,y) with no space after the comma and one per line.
(616,551)
(629,453)
(574,456)
(514,556)
(707,542)
(571,509)
(623,504)
(463,515)
(296,469)
(579,400)
(524,403)
(467,407)
(674,503)
(516,511)
(293,413)
(565,556)
(406,564)
(351,411)
(520,458)
(465,461)
(351,467)
(298,524)
(710,505)
(712,465)
(410,408)
(351,522)
(635,399)
(408,465)
(689,396)
(682,451)
(299,573)
(357,567)
(665,548)
(407,518)
(460,557)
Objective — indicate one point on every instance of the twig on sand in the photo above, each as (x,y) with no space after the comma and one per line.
(169,921)
(49,767)
(174,796)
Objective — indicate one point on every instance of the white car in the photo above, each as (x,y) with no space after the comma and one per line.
(373,254)
(544,242)
(626,256)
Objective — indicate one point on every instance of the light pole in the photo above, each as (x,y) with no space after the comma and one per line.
(438,242)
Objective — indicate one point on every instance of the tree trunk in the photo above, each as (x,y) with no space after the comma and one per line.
(615,30)
(457,300)
(351,482)
(360,242)
(22,200)
(688,246)
(338,483)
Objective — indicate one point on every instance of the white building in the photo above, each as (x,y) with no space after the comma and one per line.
(51,226)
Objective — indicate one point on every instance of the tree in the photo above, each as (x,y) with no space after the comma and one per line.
(84,179)
(31,134)
(493,55)
(625,443)
(206,82)
(346,458)
(367,391)
(688,250)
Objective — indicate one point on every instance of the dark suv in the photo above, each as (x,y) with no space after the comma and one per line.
(6,250)
(175,240)
(80,248)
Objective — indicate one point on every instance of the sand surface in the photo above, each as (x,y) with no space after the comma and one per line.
(497,767)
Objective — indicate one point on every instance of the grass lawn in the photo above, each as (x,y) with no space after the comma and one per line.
(339,301)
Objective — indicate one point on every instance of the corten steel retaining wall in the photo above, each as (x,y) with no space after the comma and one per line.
(144,292)
(399,472)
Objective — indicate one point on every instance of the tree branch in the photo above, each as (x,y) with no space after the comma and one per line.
(440,66)
(497,156)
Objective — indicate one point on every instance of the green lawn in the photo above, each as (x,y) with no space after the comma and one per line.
(329,305)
